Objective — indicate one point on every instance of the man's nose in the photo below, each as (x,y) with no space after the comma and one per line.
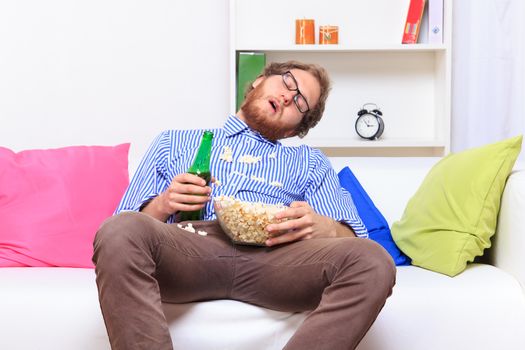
(288,96)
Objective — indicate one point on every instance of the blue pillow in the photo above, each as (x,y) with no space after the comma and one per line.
(374,221)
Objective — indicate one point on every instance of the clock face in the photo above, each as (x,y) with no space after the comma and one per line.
(367,125)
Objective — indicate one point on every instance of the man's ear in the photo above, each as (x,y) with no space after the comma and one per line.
(257,81)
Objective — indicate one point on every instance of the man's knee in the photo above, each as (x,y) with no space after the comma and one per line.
(381,261)
(381,267)
(119,232)
(373,261)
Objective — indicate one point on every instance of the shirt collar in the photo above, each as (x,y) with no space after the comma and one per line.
(234,126)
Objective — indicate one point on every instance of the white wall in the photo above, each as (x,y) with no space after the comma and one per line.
(109,71)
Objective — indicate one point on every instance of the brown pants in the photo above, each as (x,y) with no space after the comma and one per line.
(142,262)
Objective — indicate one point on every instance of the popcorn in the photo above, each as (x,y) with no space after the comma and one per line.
(258,179)
(191,229)
(276,184)
(245,222)
(227,154)
(248,159)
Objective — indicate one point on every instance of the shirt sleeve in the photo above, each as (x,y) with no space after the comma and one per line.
(149,179)
(325,194)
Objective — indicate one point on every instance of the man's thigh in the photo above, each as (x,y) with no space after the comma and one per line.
(193,267)
(290,277)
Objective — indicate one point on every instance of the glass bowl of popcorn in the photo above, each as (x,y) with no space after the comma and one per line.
(245,222)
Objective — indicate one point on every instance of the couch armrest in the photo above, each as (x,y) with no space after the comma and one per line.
(508,252)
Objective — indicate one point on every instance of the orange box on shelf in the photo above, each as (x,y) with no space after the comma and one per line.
(328,34)
(304,31)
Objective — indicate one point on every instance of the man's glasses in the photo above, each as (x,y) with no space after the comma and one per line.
(299,100)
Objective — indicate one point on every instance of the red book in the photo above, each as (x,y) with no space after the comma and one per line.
(413,22)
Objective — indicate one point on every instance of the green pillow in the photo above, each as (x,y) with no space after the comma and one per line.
(453,214)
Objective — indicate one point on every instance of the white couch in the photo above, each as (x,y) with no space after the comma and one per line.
(482,308)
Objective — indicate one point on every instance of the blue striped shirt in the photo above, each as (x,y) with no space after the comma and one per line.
(247,167)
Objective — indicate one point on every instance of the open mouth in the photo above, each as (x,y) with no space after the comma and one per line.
(275,105)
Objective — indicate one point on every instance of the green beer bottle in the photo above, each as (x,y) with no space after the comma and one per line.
(201,168)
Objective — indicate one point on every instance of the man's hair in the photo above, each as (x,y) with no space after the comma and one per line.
(312,117)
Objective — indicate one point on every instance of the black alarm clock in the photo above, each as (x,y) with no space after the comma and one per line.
(369,124)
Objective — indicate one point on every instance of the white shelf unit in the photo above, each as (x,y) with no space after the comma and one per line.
(409,83)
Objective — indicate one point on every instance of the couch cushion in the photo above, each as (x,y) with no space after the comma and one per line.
(508,251)
(52,202)
(49,308)
(427,310)
(230,324)
(482,308)
(450,219)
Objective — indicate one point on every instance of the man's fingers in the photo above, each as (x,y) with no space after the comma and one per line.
(189,199)
(188,207)
(185,188)
(299,204)
(292,213)
(183,202)
(189,179)
(276,229)
(287,237)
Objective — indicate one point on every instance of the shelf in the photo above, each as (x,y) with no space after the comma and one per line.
(354,147)
(409,83)
(354,142)
(347,49)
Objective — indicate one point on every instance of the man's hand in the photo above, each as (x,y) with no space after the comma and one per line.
(187,192)
(304,223)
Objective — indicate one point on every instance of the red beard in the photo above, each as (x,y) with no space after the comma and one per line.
(259,120)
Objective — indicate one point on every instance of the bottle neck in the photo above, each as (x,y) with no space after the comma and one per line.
(201,164)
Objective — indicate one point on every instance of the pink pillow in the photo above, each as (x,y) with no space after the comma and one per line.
(53,201)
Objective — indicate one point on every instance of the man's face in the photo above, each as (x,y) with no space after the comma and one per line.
(270,109)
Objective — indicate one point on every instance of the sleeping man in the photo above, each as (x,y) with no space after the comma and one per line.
(318,259)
